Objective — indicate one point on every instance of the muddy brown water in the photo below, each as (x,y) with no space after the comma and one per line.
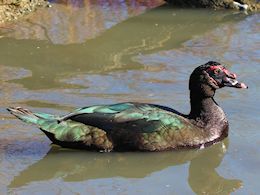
(80,53)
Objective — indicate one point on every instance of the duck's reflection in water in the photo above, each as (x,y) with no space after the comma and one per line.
(73,166)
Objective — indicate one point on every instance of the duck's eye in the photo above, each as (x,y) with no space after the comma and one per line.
(217,71)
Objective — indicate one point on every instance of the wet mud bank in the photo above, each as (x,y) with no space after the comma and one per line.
(249,5)
(14,9)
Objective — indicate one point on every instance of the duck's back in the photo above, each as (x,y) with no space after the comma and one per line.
(141,126)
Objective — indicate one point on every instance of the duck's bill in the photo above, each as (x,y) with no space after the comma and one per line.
(229,82)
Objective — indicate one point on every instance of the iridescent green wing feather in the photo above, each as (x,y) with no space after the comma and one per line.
(143,118)
(74,134)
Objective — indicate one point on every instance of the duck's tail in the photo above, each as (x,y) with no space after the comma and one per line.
(24,115)
(66,133)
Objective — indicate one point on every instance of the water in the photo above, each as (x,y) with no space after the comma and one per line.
(79,53)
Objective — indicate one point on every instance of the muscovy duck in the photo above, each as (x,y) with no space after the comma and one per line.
(141,126)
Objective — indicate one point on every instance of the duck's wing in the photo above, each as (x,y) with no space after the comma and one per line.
(138,117)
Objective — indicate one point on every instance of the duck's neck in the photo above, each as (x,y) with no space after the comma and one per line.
(206,114)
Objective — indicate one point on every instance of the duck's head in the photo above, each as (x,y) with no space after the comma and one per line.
(211,76)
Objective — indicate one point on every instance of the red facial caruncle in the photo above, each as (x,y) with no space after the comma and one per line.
(229,74)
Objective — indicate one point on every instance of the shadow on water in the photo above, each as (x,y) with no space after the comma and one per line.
(159,29)
(75,166)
